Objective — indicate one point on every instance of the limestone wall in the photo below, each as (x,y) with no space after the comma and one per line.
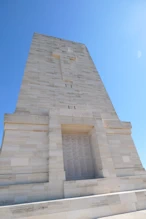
(32,155)
(61,74)
(24,153)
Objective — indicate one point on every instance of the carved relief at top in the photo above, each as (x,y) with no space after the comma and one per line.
(67,62)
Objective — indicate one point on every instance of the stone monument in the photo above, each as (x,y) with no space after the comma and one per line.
(65,153)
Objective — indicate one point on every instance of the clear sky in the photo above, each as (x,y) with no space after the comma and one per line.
(114,32)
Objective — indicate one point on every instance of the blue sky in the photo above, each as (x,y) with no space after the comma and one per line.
(114,32)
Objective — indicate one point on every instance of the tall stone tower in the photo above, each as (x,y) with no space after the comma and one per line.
(65,153)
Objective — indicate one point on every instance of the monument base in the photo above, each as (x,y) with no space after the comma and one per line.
(91,207)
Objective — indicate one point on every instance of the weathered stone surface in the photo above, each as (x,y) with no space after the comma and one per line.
(65,141)
(84,207)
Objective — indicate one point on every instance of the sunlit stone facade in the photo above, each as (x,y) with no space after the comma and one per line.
(65,153)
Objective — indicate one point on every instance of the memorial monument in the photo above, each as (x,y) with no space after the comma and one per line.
(65,153)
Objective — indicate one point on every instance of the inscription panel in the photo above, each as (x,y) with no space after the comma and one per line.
(78,161)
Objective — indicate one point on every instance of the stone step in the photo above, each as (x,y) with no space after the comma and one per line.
(133,215)
(90,207)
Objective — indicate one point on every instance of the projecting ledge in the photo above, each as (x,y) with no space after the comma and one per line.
(116,124)
(17,118)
